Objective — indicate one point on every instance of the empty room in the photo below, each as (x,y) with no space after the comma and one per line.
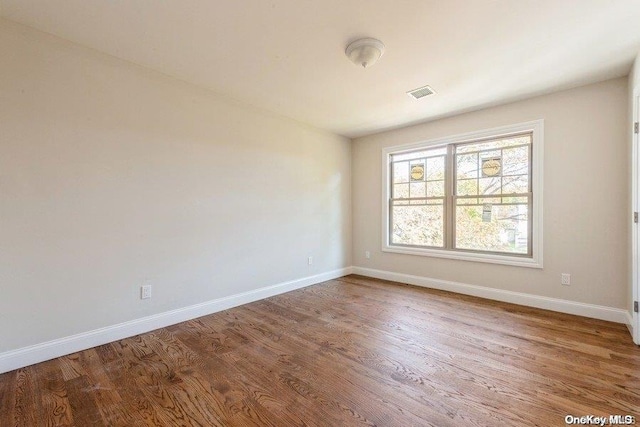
(319,213)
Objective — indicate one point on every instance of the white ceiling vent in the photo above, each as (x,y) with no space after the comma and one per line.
(421,92)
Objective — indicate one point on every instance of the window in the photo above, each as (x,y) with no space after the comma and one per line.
(476,196)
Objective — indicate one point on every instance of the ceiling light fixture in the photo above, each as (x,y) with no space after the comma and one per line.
(365,52)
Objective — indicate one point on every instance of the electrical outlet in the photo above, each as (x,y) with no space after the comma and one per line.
(310,260)
(145,292)
(367,254)
(565,279)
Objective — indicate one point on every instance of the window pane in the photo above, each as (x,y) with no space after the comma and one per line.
(418,225)
(416,170)
(400,172)
(495,228)
(515,161)
(467,187)
(435,188)
(515,184)
(467,166)
(418,189)
(489,185)
(435,168)
(401,191)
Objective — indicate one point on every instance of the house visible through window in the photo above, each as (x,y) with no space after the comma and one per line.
(475,196)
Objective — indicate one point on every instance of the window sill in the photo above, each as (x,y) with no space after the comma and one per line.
(467,256)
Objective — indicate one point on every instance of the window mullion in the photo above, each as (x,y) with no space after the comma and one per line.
(449,209)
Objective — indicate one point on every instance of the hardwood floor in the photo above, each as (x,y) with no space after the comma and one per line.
(353,351)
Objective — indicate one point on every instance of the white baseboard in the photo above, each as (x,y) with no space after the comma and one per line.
(22,357)
(630,323)
(15,359)
(611,314)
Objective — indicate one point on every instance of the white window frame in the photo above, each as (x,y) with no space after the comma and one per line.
(537,129)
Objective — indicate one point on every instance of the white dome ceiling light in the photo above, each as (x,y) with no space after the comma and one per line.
(365,52)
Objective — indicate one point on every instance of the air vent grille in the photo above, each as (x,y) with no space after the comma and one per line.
(421,92)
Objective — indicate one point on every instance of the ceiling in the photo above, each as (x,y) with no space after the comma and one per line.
(287,56)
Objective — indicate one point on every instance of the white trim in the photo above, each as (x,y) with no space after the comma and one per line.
(465,256)
(21,357)
(635,252)
(611,314)
(630,323)
(537,127)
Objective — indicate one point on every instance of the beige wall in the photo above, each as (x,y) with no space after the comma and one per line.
(634,74)
(585,197)
(112,175)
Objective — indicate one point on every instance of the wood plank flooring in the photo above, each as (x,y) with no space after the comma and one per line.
(347,352)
